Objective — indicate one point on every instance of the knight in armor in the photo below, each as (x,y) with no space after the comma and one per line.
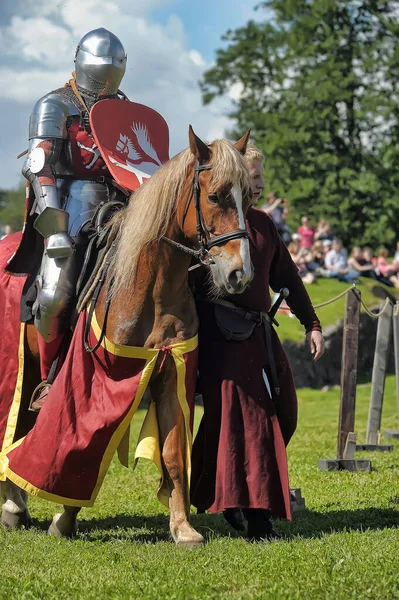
(69,180)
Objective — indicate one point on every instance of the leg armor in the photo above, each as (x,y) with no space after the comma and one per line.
(56,285)
(57,278)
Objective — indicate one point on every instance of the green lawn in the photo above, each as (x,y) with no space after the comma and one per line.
(321,291)
(345,545)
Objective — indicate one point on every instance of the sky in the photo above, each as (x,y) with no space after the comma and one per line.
(169,43)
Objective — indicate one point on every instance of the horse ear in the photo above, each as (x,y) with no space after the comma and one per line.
(242,143)
(198,147)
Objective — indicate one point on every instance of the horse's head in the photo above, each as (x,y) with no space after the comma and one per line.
(215,218)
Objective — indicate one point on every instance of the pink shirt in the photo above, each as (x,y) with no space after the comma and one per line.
(307,236)
(383,265)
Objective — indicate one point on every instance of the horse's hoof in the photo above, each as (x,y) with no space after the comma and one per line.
(15,520)
(189,544)
(185,536)
(59,530)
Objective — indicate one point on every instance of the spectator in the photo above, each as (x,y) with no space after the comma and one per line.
(274,209)
(278,209)
(358,265)
(297,255)
(336,262)
(307,232)
(368,256)
(285,228)
(385,269)
(323,231)
(7,231)
(396,257)
(318,253)
(296,238)
(327,246)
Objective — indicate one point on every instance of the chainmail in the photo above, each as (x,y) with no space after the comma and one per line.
(97,87)
(89,98)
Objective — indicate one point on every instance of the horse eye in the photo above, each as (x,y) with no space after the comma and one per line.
(213,198)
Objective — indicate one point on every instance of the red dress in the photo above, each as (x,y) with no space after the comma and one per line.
(239,458)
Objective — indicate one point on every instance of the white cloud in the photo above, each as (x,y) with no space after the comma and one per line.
(197,58)
(162,71)
(49,45)
(29,86)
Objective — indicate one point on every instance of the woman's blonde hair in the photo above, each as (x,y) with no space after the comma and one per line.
(253,154)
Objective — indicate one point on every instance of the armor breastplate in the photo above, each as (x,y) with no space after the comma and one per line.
(80,199)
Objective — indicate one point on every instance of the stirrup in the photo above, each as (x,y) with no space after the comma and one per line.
(36,395)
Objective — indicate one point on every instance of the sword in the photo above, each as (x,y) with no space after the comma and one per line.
(267,384)
(283,294)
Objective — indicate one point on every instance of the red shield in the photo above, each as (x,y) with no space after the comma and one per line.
(133,140)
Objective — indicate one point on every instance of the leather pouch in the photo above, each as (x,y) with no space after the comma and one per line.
(233,324)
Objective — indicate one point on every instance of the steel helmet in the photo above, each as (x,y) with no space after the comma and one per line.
(100,62)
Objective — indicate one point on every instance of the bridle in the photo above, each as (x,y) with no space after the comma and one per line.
(206,242)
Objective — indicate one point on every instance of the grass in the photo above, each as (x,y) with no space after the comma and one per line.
(319,292)
(345,545)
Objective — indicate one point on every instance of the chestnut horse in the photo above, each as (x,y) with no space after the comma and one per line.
(195,204)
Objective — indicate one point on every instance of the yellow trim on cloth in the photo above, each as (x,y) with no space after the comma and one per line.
(149,443)
(16,402)
(149,446)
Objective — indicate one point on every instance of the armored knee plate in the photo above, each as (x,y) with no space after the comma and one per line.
(56,290)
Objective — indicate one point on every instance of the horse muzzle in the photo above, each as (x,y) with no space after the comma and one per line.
(230,278)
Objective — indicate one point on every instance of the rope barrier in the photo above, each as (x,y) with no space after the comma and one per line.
(373,315)
(341,295)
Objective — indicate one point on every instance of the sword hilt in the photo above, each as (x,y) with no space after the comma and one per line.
(283,294)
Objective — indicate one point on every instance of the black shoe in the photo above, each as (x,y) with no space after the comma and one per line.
(235,518)
(259,525)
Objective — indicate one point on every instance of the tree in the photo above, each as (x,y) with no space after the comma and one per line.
(12,207)
(319,86)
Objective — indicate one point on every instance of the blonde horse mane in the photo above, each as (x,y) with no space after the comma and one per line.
(151,208)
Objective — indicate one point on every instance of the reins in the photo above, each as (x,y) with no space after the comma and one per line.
(93,304)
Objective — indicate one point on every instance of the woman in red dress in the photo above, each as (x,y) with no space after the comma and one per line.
(239,462)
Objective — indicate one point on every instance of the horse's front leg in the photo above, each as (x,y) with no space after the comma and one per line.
(171,430)
(64,524)
(14,513)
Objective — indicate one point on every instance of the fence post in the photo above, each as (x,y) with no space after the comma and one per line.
(346,436)
(394,433)
(380,365)
(350,346)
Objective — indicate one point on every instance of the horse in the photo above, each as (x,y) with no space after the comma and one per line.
(194,206)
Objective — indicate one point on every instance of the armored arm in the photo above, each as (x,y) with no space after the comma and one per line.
(47,134)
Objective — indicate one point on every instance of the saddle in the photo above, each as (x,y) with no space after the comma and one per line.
(101,238)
